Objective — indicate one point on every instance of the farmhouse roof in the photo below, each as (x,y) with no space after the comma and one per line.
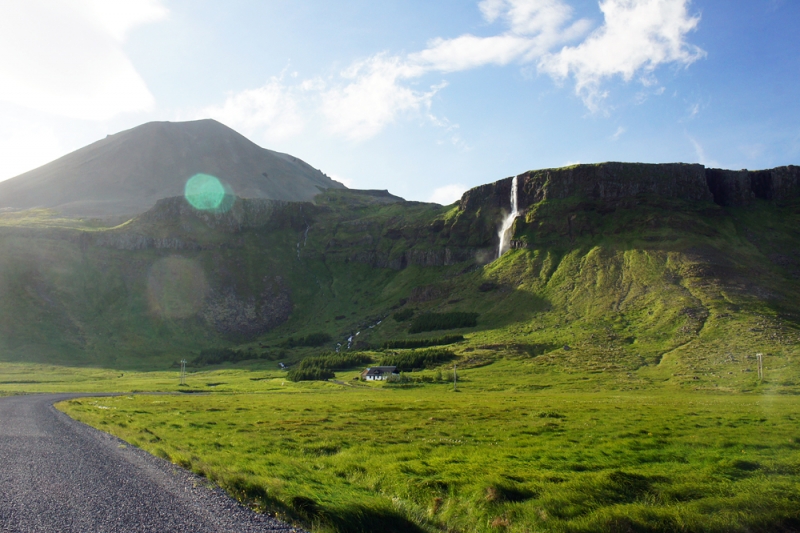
(379,370)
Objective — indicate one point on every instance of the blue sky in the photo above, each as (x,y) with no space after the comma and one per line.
(425,99)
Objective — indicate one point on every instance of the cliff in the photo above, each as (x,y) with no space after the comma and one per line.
(613,182)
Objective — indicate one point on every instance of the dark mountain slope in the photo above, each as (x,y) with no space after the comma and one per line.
(128,172)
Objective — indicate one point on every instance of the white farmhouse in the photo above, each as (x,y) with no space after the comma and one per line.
(378,373)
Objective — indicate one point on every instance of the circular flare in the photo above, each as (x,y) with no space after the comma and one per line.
(204,192)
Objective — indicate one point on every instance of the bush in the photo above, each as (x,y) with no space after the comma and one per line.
(423,343)
(402,316)
(310,374)
(418,360)
(312,339)
(438,321)
(320,367)
(335,361)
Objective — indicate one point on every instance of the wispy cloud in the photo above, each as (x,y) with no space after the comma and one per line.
(66,57)
(617,134)
(447,194)
(372,96)
(702,157)
(272,112)
(357,103)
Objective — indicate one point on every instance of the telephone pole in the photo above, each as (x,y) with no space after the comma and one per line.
(760,358)
(183,371)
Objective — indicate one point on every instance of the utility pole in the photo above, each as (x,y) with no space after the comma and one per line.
(455,377)
(183,371)
(760,358)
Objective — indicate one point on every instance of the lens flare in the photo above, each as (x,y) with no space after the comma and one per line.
(204,192)
(176,287)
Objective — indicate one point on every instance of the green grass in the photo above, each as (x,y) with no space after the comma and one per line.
(506,452)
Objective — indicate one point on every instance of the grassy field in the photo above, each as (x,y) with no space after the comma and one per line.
(506,452)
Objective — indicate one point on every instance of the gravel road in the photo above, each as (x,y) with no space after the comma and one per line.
(58,475)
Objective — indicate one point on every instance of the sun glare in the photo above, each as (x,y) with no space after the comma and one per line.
(204,192)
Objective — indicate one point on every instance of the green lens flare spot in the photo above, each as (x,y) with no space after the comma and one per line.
(204,192)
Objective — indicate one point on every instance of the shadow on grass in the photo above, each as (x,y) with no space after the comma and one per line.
(359,519)
(352,519)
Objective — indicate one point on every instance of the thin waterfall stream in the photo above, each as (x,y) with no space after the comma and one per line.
(505,229)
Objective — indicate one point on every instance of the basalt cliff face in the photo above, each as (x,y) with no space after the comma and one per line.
(614,182)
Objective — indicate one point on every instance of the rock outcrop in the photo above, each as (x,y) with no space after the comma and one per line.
(231,314)
(740,188)
(612,182)
(235,214)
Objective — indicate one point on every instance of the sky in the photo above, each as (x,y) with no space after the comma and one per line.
(425,99)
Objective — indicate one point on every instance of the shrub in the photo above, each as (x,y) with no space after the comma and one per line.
(310,374)
(320,367)
(402,316)
(423,343)
(438,321)
(416,360)
(335,361)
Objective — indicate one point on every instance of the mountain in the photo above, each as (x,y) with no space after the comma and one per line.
(668,274)
(128,172)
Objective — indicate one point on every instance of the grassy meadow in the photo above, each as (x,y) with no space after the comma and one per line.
(506,452)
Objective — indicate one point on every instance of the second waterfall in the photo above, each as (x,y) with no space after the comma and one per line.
(505,230)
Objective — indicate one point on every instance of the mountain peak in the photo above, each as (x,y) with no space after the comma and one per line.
(127,172)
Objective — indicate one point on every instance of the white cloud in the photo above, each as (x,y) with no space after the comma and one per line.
(372,97)
(66,57)
(118,17)
(526,17)
(534,27)
(271,111)
(636,37)
(618,133)
(447,194)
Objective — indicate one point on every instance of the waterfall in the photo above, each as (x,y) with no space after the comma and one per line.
(505,230)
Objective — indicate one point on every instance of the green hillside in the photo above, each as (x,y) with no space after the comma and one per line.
(607,368)
(658,281)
